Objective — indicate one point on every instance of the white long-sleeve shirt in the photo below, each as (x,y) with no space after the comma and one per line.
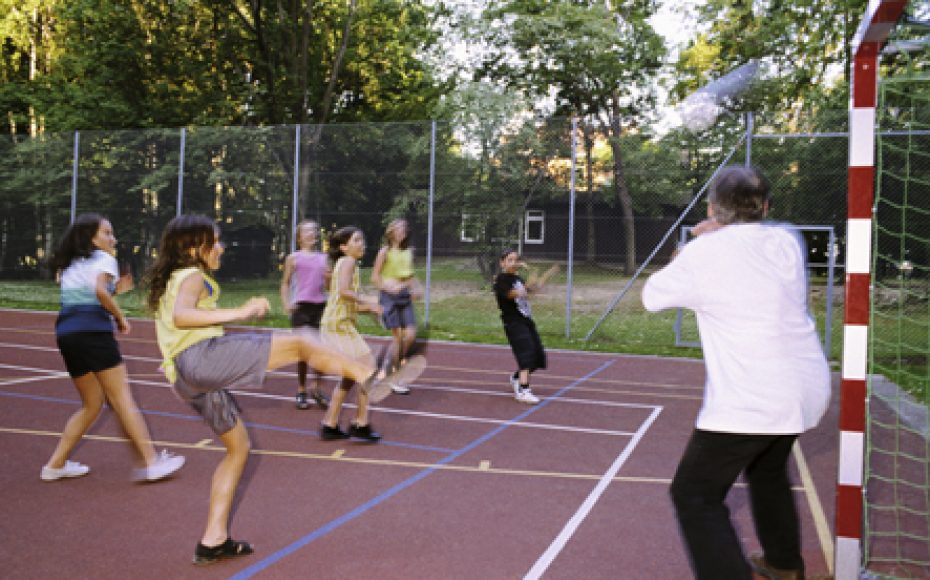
(747,284)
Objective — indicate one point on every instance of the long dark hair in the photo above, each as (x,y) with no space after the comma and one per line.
(77,241)
(339,238)
(182,234)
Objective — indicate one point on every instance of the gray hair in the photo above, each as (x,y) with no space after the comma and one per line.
(739,194)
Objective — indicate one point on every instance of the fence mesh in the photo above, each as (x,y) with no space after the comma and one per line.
(491,187)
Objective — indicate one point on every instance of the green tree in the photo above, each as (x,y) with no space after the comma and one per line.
(596,60)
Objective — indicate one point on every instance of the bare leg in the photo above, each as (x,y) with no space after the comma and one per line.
(290,348)
(398,346)
(115,383)
(335,405)
(80,421)
(225,481)
(410,335)
(361,408)
(524,376)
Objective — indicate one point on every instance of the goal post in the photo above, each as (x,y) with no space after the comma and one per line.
(878,21)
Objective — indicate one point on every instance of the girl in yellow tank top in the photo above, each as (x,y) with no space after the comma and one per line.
(203,362)
(338,330)
(393,275)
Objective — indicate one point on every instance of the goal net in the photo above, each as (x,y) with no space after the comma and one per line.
(896,486)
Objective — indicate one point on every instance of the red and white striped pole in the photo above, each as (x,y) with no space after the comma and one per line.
(880,18)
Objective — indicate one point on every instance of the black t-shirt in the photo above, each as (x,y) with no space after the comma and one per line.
(511,308)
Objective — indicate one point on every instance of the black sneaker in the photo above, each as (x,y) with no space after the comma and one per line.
(302,402)
(365,433)
(328,433)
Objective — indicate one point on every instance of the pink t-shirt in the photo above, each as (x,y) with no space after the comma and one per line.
(309,270)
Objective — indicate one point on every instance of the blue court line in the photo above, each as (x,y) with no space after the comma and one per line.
(250,425)
(349,516)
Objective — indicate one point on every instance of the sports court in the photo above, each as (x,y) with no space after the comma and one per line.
(467,482)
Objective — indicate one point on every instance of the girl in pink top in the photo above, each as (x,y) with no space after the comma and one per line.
(306,274)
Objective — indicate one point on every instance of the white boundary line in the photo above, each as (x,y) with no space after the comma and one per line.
(544,561)
(462,418)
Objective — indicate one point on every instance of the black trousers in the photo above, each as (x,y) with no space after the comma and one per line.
(709,467)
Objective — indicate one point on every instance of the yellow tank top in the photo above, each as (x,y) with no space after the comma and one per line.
(173,340)
(398,264)
(340,314)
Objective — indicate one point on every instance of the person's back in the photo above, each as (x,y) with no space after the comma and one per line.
(765,366)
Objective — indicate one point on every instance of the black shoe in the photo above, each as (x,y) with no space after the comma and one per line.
(365,433)
(302,402)
(228,549)
(328,433)
(320,399)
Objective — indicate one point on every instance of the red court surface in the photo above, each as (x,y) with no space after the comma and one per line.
(467,482)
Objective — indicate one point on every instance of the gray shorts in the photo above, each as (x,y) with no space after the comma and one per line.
(207,369)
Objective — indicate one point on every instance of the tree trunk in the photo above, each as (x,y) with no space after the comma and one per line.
(621,190)
(591,248)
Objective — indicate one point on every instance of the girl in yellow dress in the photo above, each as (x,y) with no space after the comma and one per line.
(338,330)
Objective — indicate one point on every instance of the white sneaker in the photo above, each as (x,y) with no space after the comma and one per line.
(527,396)
(515,385)
(400,389)
(164,465)
(71,469)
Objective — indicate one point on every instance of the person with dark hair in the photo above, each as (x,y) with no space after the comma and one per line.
(767,377)
(338,329)
(394,277)
(303,295)
(89,276)
(512,294)
(203,363)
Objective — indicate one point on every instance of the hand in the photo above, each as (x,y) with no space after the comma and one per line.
(123,325)
(706,226)
(392,286)
(256,307)
(125,283)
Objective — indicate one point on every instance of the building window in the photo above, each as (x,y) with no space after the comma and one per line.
(535,230)
(472,227)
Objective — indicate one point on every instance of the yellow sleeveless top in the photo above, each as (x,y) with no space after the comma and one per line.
(173,340)
(340,315)
(398,264)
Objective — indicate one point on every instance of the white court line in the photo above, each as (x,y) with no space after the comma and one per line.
(50,373)
(5,383)
(544,561)
(462,418)
(599,403)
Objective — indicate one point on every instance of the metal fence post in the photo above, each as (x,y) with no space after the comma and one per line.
(74,175)
(571,232)
(429,221)
(178,210)
(750,127)
(295,198)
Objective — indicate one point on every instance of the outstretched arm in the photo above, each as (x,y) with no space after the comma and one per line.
(187,315)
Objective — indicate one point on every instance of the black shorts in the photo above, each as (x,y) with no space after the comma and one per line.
(89,352)
(525,343)
(307,314)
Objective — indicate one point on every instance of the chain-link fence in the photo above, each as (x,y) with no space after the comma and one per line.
(561,191)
